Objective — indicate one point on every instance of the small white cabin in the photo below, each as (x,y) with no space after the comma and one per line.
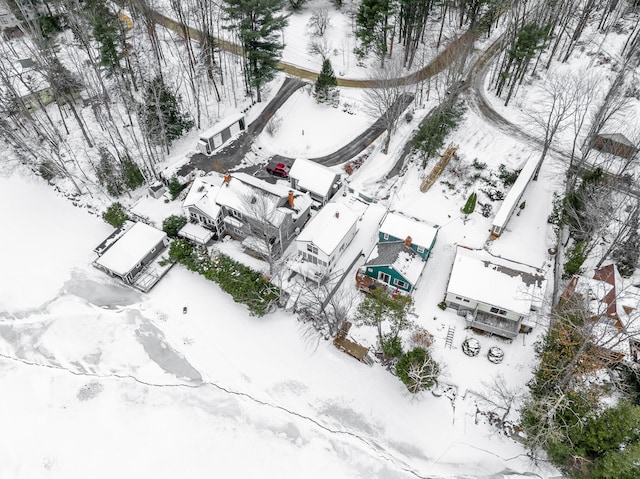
(216,136)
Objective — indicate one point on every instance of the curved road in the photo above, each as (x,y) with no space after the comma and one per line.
(437,65)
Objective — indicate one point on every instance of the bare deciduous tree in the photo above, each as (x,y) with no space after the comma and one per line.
(319,22)
(388,99)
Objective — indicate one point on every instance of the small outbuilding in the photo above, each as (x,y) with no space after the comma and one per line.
(216,136)
(129,251)
(614,143)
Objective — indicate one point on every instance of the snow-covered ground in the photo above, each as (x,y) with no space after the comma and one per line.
(100,380)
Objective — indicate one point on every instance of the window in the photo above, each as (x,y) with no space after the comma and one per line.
(153,250)
(458,298)
(385,236)
(312,249)
(400,284)
(237,214)
(384,277)
(465,300)
(420,249)
(237,231)
(501,312)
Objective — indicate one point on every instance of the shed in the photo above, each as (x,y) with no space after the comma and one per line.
(216,136)
(614,143)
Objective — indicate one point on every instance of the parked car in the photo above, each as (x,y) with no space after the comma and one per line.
(279,169)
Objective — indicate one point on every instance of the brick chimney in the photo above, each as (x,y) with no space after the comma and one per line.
(408,242)
(227,179)
(337,214)
(290,199)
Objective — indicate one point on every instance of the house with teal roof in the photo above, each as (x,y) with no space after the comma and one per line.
(398,260)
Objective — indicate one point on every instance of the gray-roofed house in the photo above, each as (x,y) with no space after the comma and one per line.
(399,258)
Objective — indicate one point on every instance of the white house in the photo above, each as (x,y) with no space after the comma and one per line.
(495,294)
(318,180)
(322,241)
(129,250)
(216,136)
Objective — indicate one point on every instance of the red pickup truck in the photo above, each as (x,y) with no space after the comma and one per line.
(279,169)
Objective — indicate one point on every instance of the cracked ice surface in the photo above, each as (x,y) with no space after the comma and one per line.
(101,381)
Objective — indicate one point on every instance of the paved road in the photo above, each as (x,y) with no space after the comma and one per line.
(231,156)
(437,65)
(358,144)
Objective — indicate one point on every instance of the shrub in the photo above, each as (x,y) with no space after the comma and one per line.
(391,346)
(434,130)
(173,224)
(417,370)
(175,187)
(478,165)
(575,258)
(470,205)
(442,305)
(421,338)
(508,177)
(241,282)
(115,215)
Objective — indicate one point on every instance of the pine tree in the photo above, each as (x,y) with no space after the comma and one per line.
(163,120)
(326,83)
(470,205)
(258,25)
(372,27)
(106,31)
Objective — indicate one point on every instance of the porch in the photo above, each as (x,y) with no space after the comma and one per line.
(490,323)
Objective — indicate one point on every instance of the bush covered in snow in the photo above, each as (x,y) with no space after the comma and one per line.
(173,224)
(245,285)
(115,215)
(417,370)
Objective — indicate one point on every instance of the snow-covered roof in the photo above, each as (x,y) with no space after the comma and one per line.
(401,226)
(515,193)
(328,228)
(482,277)
(203,193)
(618,138)
(221,125)
(400,257)
(196,232)
(271,200)
(131,248)
(312,176)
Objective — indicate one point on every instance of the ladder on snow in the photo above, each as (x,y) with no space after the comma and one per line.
(450,333)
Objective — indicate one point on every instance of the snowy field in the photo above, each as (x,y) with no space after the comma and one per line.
(102,381)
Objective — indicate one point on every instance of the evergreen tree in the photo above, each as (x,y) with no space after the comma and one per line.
(106,31)
(163,120)
(373,28)
(258,25)
(417,370)
(326,83)
(470,205)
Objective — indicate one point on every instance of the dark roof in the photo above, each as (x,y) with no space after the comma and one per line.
(388,253)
